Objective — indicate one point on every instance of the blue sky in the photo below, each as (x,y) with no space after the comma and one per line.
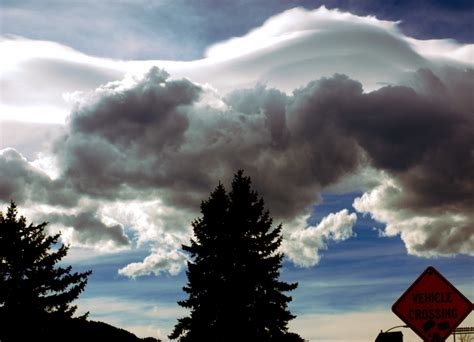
(354,121)
(365,274)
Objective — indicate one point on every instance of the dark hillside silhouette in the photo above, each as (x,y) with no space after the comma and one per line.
(233,287)
(81,330)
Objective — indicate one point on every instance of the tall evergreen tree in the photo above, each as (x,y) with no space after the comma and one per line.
(233,279)
(35,294)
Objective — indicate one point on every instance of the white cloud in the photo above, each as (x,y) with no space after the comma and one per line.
(40,113)
(38,78)
(160,260)
(290,25)
(443,50)
(287,51)
(303,243)
(427,234)
(32,139)
(16,50)
(299,45)
(151,220)
(165,227)
(48,164)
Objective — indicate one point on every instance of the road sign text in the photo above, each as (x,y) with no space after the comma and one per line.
(433,297)
(432,313)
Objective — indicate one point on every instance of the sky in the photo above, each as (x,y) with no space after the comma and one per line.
(354,120)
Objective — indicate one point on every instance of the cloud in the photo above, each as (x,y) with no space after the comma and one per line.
(292,146)
(22,182)
(90,231)
(33,82)
(32,139)
(151,221)
(27,185)
(155,137)
(159,261)
(426,196)
(119,139)
(290,24)
(301,131)
(296,46)
(286,52)
(302,246)
(425,232)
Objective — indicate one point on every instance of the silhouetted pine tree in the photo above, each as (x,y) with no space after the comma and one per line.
(233,287)
(35,294)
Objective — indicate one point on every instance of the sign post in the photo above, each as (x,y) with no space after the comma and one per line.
(432,307)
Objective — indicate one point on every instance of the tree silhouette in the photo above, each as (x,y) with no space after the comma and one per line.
(35,294)
(233,287)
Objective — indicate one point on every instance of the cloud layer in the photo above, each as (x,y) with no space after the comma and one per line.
(287,51)
(166,138)
(159,144)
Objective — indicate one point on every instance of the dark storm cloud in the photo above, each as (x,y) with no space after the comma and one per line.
(154,104)
(157,135)
(89,229)
(116,140)
(440,175)
(397,127)
(425,142)
(21,182)
(453,86)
